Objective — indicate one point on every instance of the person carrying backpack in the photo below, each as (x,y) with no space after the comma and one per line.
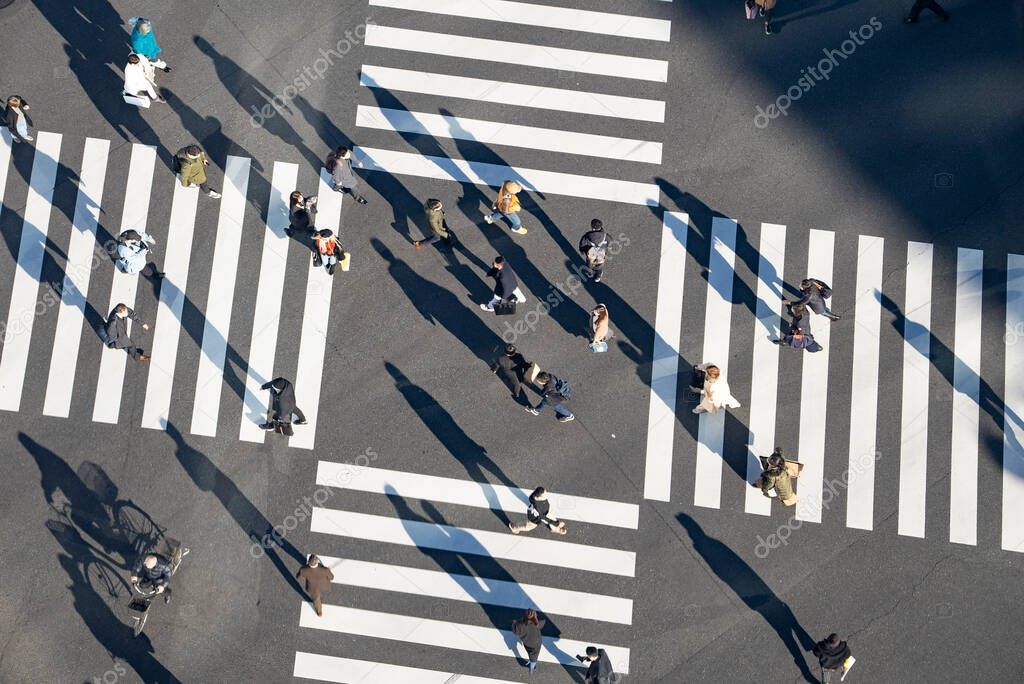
(507,205)
(594,248)
(556,392)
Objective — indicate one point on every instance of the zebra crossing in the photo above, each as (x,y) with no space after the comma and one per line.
(384,39)
(860,463)
(83,267)
(336,528)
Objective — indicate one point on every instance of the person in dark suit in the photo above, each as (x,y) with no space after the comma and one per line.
(920,6)
(510,367)
(813,294)
(318,578)
(282,405)
(798,339)
(599,670)
(506,285)
(117,332)
(801,318)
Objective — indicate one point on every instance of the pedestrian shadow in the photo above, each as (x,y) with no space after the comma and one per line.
(252,95)
(813,10)
(475,563)
(752,590)
(448,432)
(209,478)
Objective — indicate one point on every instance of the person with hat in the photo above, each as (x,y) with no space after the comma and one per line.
(507,205)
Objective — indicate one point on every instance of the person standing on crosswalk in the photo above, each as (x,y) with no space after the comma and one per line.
(329,252)
(438,225)
(339,165)
(282,407)
(507,205)
(132,252)
(144,42)
(813,294)
(539,513)
(554,391)
(192,163)
(140,79)
(301,213)
(506,285)
(17,120)
(318,578)
(715,394)
(117,333)
(594,248)
(528,630)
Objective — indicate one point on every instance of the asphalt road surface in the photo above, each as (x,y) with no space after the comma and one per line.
(727,165)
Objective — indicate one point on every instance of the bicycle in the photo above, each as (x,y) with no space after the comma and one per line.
(138,609)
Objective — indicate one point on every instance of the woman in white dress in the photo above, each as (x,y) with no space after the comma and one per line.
(715,394)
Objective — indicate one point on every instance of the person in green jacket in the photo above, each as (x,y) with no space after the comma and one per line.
(776,477)
(192,163)
(435,219)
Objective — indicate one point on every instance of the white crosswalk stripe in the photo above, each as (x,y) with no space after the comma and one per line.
(325,668)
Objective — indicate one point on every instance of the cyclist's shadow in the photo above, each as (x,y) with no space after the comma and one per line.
(209,477)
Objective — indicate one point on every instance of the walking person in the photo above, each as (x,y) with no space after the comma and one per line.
(144,42)
(539,513)
(117,334)
(506,285)
(282,407)
(599,670)
(920,6)
(528,630)
(764,9)
(599,332)
(556,392)
(594,248)
(798,339)
(133,250)
(715,393)
(511,367)
(438,225)
(318,578)
(140,79)
(776,477)
(301,213)
(17,120)
(813,294)
(192,163)
(329,252)
(833,655)
(339,165)
(507,205)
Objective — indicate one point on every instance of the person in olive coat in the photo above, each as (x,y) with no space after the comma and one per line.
(528,631)
(776,477)
(282,404)
(435,219)
(192,163)
(832,654)
(318,578)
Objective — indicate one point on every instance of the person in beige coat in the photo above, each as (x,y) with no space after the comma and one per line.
(715,393)
(765,8)
(599,328)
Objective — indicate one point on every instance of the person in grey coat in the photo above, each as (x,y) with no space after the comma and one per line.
(339,165)
(117,332)
(282,405)
(528,629)
(813,294)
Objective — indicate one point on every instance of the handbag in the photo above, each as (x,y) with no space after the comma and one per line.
(532,372)
(346,261)
(751,9)
(506,307)
(137,100)
(697,379)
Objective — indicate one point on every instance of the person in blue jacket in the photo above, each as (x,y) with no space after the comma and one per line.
(144,42)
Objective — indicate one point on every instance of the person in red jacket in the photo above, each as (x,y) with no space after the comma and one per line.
(328,251)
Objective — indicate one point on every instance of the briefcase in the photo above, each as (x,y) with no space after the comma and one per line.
(283,428)
(505,308)
(532,372)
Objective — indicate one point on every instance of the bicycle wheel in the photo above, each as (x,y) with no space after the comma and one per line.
(103,578)
(138,529)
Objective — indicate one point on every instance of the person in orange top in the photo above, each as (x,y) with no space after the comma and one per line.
(328,250)
(507,205)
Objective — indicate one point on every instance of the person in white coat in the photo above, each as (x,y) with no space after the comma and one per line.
(140,78)
(715,394)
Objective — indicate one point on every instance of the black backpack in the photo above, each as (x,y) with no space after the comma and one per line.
(563,388)
(825,290)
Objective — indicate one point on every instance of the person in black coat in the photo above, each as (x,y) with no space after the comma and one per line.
(528,631)
(799,340)
(554,391)
(600,669)
(282,405)
(801,318)
(510,367)
(594,247)
(539,513)
(506,285)
(813,294)
(832,653)
(117,332)
(17,120)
